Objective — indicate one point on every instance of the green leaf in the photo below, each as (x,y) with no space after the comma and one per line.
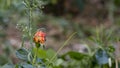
(8,66)
(76,55)
(50,53)
(111,49)
(40,53)
(117,3)
(3,60)
(24,65)
(101,57)
(39,61)
(22,54)
(58,62)
(44,54)
(37,45)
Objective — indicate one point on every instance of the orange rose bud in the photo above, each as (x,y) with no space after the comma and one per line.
(40,37)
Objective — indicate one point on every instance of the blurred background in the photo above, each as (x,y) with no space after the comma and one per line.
(60,18)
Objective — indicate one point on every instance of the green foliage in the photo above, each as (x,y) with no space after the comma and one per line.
(22,54)
(41,53)
(101,57)
(30,60)
(24,65)
(98,54)
(75,55)
(8,66)
(3,59)
(117,3)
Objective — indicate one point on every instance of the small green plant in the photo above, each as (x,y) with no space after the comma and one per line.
(99,55)
(38,57)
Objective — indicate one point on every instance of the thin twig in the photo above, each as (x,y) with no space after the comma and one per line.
(62,47)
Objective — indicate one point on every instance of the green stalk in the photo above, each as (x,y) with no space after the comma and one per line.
(30,21)
(35,56)
(62,47)
(27,5)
